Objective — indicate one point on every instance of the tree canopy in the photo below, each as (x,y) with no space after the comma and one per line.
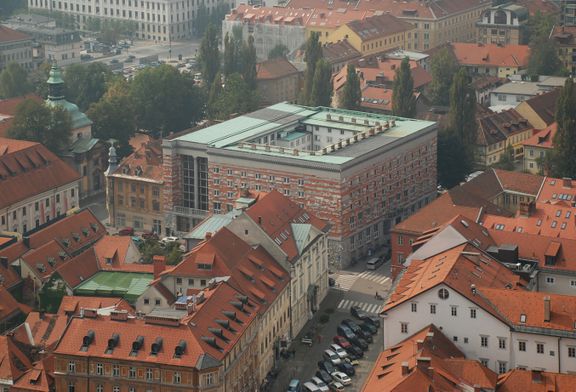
(278,51)
(14,81)
(235,97)
(562,161)
(37,122)
(312,54)
(403,100)
(248,61)
(351,94)
(544,58)
(86,83)
(454,160)
(462,114)
(321,94)
(209,55)
(442,68)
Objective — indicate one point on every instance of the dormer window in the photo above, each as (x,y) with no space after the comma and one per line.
(523,318)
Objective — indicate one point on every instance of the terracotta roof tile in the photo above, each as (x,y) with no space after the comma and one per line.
(544,105)
(339,52)
(71,305)
(79,268)
(8,275)
(378,26)
(554,187)
(45,330)
(543,138)
(497,127)
(28,169)
(13,362)
(275,69)
(143,164)
(528,184)
(525,381)
(492,55)
(113,253)
(9,35)
(39,378)
(539,6)
(9,307)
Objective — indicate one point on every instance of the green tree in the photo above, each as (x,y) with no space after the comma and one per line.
(312,54)
(403,100)
(442,69)
(86,83)
(321,94)
(37,122)
(38,78)
(351,95)
(454,160)
(165,100)
(544,59)
(111,30)
(209,55)
(235,98)
(278,51)
(538,27)
(562,160)
(14,81)
(114,116)
(212,107)
(506,161)
(9,7)
(230,55)
(462,114)
(249,63)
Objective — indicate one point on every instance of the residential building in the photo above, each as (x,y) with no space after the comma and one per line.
(85,153)
(492,59)
(163,20)
(517,91)
(422,59)
(339,54)
(50,43)
(436,22)
(534,381)
(13,363)
(565,40)
(486,310)
(208,346)
(134,189)
(35,186)
(376,34)
(361,172)
(540,110)
(537,147)
(15,47)
(277,80)
(497,133)
(483,85)
(503,24)
(568,12)
(428,360)
(540,6)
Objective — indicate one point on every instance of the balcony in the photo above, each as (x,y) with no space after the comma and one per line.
(189,212)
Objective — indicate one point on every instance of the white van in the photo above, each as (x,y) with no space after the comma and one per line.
(374,263)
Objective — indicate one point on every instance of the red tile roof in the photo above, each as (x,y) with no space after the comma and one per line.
(116,249)
(339,52)
(511,181)
(543,138)
(9,307)
(535,381)
(378,26)
(79,268)
(555,190)
(275,69)
(449,369)
(498,127)
(38,379)
(9,35)
(539,6)
(40,330)
(71,305)
(8,110)
(491,55)
(143,164)
(13,362)
(275,213)
(28,169)
(8,275)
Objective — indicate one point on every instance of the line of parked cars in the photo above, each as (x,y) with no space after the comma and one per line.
(337,365)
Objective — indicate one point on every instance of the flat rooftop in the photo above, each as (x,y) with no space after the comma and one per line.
(367,132)
(128,285)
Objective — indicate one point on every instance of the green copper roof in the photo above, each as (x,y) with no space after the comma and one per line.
(83,145)
(79,119)
(55,75)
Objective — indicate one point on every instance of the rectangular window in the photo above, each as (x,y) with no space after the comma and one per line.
(502,367)
(71,367)
(484,341)
(502,343)
(414,307)
(521,346)
(473,313)
(540,348)
(550,280)
(132,372)
(572,352)
(99,369)
(177,378)
(115,370)
(404,327)
(454,310)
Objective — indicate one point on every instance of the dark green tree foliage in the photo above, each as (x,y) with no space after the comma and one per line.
(351,95)
(462,114)
(544,59)
(230,55)
(86,83)
(278,51)
(204,18)
(209,55)
(312,54)
(538,27)
(111,30)
(453,159)
(443,67)
(38,78)
(114,116)
(37,122)
(403,100)
(212,109)
(562,161)
(14,81)
(8,7)
(248,61)
(235,98)
(321,94)
(165,100)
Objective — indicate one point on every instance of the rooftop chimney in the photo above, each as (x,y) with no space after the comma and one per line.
(473,288)
(423,363)
(405,368)
(547,308)
(90,313)
(159,265)
(208,235)
(566,182)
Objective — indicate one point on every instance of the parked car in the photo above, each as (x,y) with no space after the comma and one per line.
(326,366)
(357,312)
(358,341)
(324,376)
(346,332)
(374,263)
(336,386)
(310,387)
(331,356)
(342,378)
(126,231)
(166,240)
(357,331)
(294,386)
(341,341)
(320,384)
(371,329)
(338,350)
(149,235)
(352,361)
(355,352)
(347,368)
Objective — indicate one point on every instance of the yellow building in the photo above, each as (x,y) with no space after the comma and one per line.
(134,189)
(376,34)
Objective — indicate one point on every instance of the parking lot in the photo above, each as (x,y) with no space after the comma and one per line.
(354,287)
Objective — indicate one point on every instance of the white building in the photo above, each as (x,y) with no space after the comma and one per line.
(517,91)
(158,20)
(35,186)
(486,311)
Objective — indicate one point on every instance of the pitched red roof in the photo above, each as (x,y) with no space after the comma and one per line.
(543,138)
(9,307)
(497,127)
(275,69)
(338,52)
(535,381)
(13,362)
(145,163)
(113,255)
(71,305)
(491,55)
(40,330)
(39,378)
(10,35)
(79,268)
(556,190)
(28,169)
(8,275)
(544,105)
(378,26)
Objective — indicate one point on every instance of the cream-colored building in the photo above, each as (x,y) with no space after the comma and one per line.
(503,24)
(15,47)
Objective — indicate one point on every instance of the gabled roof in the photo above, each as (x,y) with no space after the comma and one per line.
(13,362)
(9,307)
(491,55)
(379,26)
(41,330)
(339,52)
(28,169)
(275,69)
(79,268)
(144,164)
(8,275)
(112,253)
(10,35)
(433,363)
(544,105)
(71,305)
(39,378)
(555,190)
(498,127)
(493,182)
(543,138)
(275,213)
(535,381)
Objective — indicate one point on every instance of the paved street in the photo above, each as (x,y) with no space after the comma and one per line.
(354,286)
(97,204)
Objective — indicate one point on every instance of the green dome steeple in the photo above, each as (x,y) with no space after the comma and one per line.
(55,84)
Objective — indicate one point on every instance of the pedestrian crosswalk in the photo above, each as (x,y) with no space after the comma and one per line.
(346,304)
(345,281)
(374,276)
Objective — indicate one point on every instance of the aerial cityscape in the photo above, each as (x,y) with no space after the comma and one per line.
(287,196)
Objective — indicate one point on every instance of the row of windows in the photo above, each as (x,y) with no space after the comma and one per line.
(453,309)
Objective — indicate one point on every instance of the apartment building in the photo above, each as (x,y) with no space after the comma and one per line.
(35,186)
(134,189)
(491,59)
(537,147)
(503,24)
(360,172)
(158,20)
(277,80)
(15,47)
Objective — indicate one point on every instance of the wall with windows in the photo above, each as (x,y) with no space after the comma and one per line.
(557,281)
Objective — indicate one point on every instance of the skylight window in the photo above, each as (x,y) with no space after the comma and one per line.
(499,226)
(558,213)
(523,318)
(554,224)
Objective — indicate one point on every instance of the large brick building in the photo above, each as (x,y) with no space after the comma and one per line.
(361,172)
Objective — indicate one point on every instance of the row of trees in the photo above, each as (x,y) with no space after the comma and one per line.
(317,90)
